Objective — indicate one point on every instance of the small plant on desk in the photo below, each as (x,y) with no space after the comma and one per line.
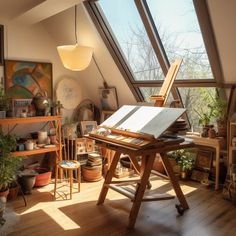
(185,161)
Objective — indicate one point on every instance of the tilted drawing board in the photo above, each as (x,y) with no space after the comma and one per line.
(137,126)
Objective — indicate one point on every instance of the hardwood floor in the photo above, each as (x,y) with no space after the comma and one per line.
(208,215)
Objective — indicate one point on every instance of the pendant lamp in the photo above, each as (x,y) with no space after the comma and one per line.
(75,57)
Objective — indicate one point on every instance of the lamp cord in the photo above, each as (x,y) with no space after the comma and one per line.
(104,81)
(76,40)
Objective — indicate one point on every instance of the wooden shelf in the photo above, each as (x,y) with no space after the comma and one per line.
(34,119)
(232,148)
(36,151)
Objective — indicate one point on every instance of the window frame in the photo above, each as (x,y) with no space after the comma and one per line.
(204,21)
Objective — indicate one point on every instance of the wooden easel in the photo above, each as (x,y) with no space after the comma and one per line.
(161,98)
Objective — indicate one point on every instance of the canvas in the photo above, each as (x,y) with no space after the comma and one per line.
(26,79)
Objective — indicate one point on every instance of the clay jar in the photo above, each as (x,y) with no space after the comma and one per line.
(41,104)
(211,133)
(42,137)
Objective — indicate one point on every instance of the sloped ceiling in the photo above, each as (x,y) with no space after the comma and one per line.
(223,20)
(222,14)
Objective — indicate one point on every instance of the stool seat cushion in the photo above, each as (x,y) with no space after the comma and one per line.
(69,164)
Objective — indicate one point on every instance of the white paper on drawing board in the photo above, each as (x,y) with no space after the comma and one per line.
(143,119)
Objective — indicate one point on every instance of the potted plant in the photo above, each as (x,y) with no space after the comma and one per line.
(56,107)
(186,163)
(184,160)
(8,164)
(218,108)
(4,102)
(205,120)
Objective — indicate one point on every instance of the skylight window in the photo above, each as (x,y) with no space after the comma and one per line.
(126,25)
(179,30)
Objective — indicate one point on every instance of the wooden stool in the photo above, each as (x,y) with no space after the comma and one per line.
(69,164)
(70,167)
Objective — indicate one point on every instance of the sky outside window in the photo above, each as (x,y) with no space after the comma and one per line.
(126,24)
(178,27)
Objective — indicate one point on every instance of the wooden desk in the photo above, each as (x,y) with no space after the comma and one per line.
(214,143)
(148,155)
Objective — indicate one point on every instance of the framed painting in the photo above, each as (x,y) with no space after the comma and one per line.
(105,115)
(88,126)
(108,98)
(26,79)
(204,160)
(1,45)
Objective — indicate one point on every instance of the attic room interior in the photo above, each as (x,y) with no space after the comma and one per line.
(117,117)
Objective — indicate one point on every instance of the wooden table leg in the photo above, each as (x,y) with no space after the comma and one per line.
(174,182)
(146,167)
(217,167)
(108,178)
(135,164)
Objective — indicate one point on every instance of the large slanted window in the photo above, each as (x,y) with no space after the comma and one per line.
(181,36)
(150,35)
(126,24)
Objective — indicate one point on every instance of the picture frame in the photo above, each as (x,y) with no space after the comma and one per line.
(1,45)
(87,126)
(80,146)
(90,145)
(19,105)
(105,115)
(108,98)
(200,176)
(204,159)
(26,79)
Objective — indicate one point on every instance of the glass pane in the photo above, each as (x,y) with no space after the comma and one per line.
(127,27)
(148,91)
(178,27)
(196,101)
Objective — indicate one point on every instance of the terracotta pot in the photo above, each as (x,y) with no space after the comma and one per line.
(43,178)
(13,193)
(222,128)
(4,193)
(183,174)
(158,166)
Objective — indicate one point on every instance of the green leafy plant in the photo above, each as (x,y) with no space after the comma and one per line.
(4,100)
(204,118)
(183,158)
(218,107)
(9,164)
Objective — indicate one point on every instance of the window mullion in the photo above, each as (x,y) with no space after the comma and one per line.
(153,34)
(209,39)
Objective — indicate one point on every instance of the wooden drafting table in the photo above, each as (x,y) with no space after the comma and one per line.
(147,158)
(145,145)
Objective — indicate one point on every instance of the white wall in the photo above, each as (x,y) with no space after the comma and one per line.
(33,43)
(38,43)
(61,28)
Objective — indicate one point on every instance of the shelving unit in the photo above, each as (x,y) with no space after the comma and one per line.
(54,122)
(231,148)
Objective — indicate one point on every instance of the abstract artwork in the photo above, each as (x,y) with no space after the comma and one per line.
(1,45)
(108,98)
(25,79)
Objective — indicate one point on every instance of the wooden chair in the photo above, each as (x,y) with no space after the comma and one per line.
(69,165)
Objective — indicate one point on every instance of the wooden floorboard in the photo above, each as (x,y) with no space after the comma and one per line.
(208,215)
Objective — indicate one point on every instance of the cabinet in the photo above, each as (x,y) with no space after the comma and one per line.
(53,121)
(232,143)
(215,143)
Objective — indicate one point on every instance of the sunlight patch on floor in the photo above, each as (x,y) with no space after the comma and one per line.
(61,219)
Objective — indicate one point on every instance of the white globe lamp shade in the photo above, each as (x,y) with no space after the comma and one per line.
(75,57)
